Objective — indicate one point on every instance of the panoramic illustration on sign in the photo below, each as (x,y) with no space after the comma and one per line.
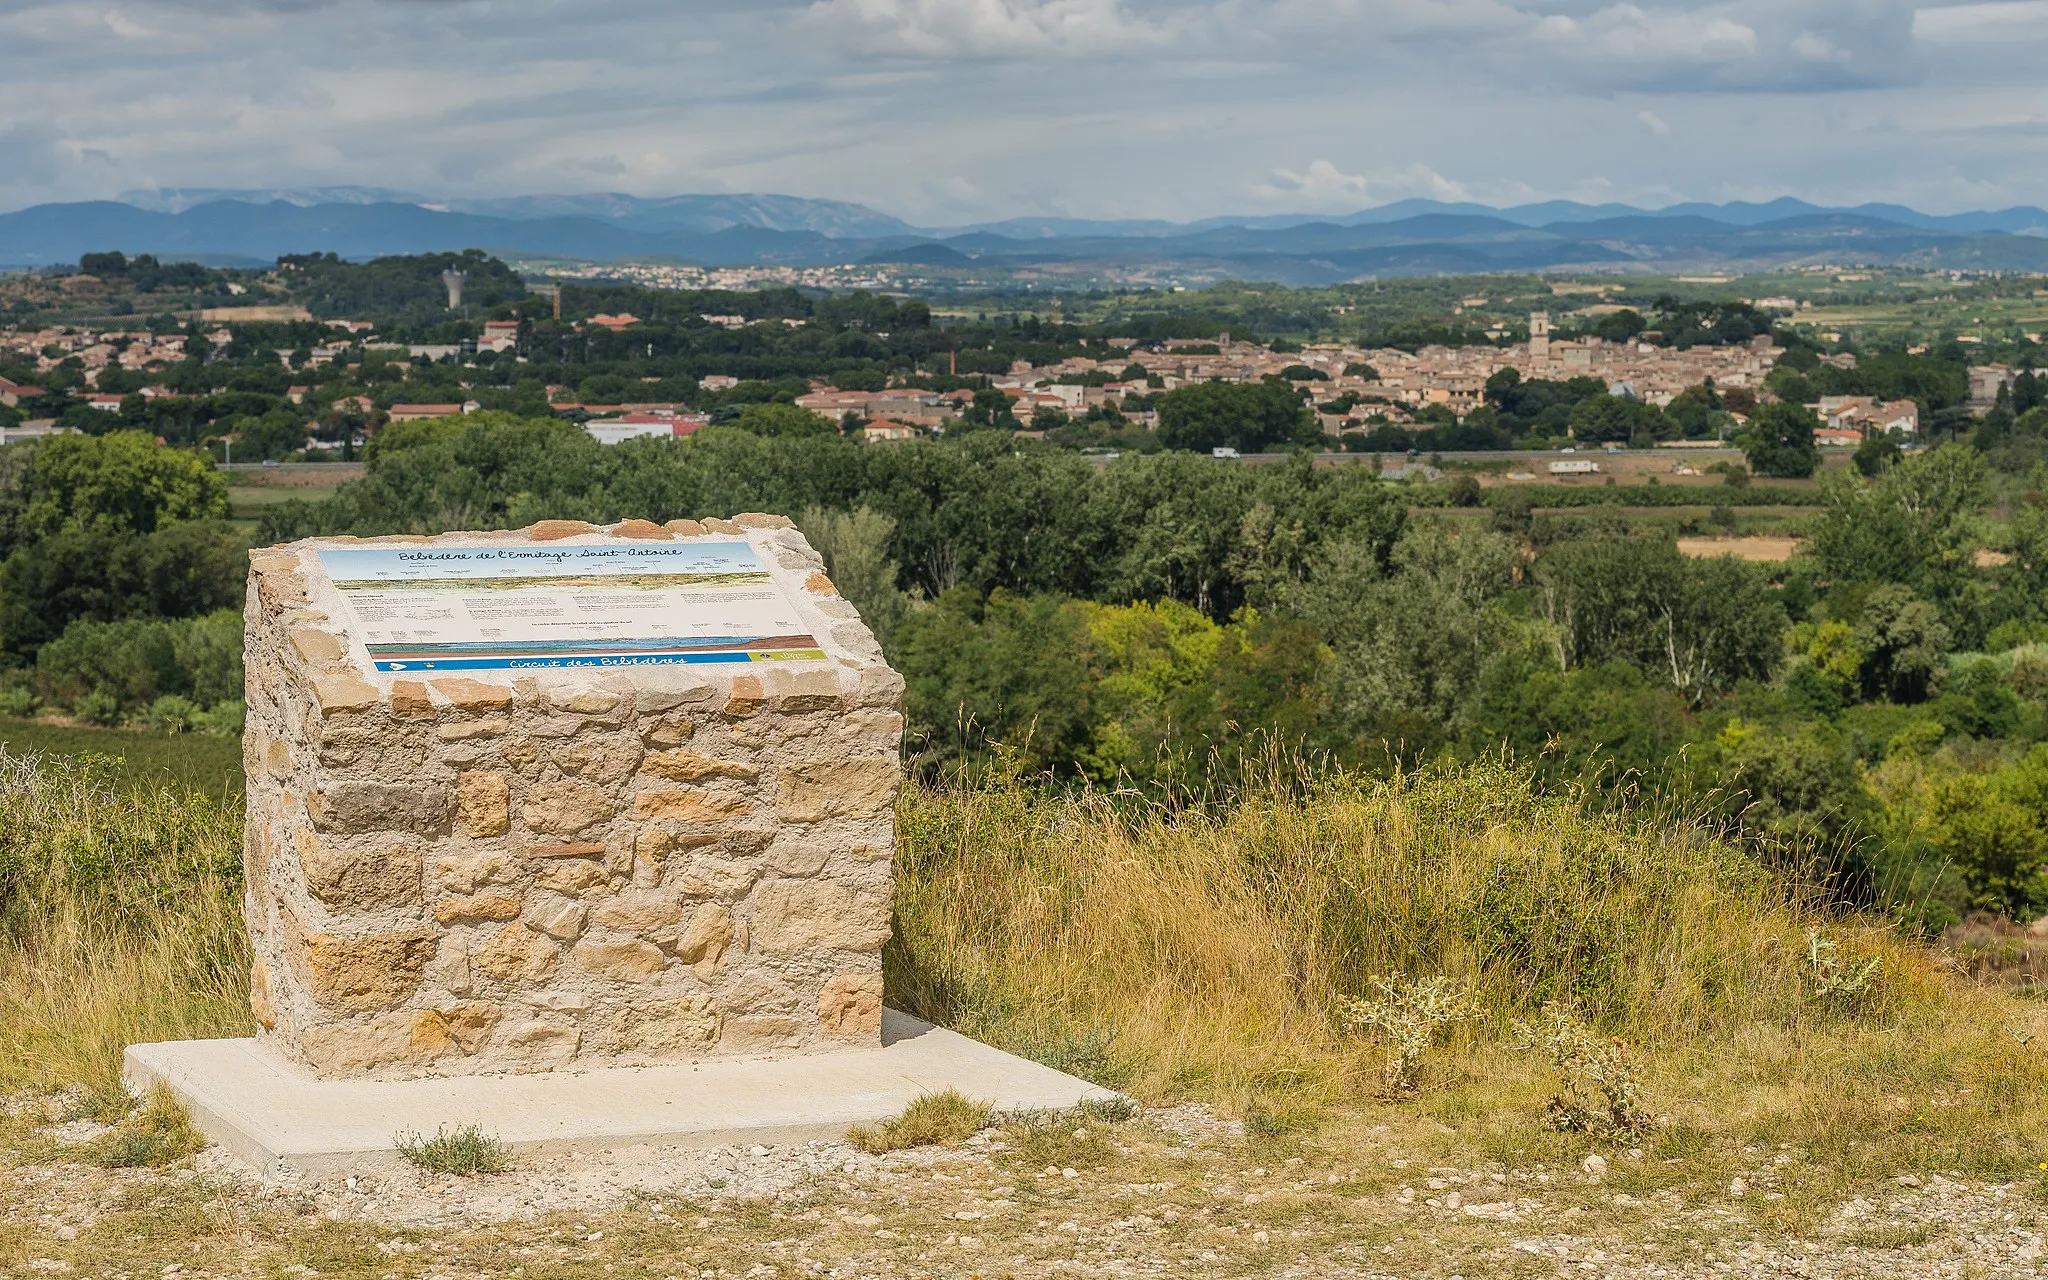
(510,607)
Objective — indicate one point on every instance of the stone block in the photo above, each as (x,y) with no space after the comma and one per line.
(838,789)
(564,807)
(620,961)
(510,866)
(516,954)
(352,807)
(473,695)
(703,942)
(354,875)
(688,766)
(666,1029)
(484,906)
(483,804)
(638,911)
(693,805)
(816,915)
(363,975)
(851,1004)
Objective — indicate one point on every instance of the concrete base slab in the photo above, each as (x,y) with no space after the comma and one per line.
(267,1110)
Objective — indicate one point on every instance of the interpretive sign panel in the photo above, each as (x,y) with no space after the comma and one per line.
(557,797)
(508,607)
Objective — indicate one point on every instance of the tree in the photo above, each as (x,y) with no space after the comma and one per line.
(1619,326)
(1996,832)
(1702,625)
(108,574)
(783,420)
(1796,785)
(1916,525)
(855,545)
(1250,417)
(1695,410)
(1409,640)
(1878,454)
(1779,441)
(123,481)
(991,410)
(1010,669)
(1601,418)
(1903,642)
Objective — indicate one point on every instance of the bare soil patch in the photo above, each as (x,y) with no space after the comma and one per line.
(1761,550)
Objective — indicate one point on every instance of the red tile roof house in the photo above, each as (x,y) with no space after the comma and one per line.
(13,393)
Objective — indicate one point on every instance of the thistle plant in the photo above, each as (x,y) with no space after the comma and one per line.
(1602,1091)
(1408,1015)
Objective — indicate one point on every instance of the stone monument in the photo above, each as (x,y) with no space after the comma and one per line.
(569,796)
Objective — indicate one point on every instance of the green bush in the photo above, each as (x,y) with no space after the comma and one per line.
(172,714)
(163,672)
(98,706)
(17,694)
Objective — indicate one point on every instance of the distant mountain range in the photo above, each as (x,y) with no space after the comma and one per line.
(1405,238)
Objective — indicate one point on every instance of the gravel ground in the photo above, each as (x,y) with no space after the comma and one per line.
(1171,1193)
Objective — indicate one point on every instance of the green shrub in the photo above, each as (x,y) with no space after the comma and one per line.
(225,718)
(172,714)
(98,706)
(106,671)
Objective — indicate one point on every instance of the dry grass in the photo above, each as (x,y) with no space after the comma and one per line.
(158,1132)
(1210,956)
(934,1120)
(120,922)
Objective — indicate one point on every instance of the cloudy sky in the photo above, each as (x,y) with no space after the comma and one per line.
(946,111)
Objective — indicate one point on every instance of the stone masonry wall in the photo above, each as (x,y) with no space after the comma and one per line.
(530,871)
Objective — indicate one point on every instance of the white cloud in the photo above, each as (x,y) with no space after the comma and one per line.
(127,28)
(2025,20)
(983,28)
(1814,47)
(1385,19)
(1628,33)
(953,111)
(1324,188)
(1319,187)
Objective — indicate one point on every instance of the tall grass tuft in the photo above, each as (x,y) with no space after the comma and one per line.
(1214,953)
(120,921)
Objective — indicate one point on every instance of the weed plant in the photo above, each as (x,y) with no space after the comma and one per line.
(465,1151)
(1053,1141)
